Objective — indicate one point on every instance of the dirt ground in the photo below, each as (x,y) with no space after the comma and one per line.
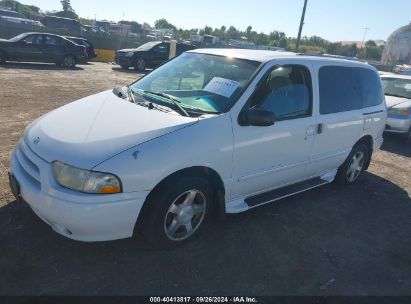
(328,241)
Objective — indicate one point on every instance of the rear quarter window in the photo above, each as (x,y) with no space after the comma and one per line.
(348,88)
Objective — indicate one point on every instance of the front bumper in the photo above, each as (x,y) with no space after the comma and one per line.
(398,125)
(78,216)
(124,61)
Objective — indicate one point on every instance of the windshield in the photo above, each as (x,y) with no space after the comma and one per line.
(147,46)
(199,82)
(397,87)
(17,38)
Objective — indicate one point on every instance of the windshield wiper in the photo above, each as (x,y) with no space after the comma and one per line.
(171,98)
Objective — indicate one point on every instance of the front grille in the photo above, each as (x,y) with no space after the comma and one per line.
(27,165)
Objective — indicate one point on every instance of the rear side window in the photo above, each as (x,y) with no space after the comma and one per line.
(348,88)
(53,41)
(371,88)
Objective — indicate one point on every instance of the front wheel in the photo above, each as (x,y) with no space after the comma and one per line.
(140,65)
(177,213)
(69,61)
(354,165)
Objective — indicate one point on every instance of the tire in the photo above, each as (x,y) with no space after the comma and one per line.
(69,61)
(124,67)
(140,65)
(2,58)
(408,136)
(354,165)
(176,213)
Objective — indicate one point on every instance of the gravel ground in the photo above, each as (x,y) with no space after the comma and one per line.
(328,241)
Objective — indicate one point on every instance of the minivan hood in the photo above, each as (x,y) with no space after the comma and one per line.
(89,131)
(393,101)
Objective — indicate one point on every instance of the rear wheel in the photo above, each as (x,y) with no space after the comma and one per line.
(124,67)
(140,65)
(354,165)
(177,213)
(69,61)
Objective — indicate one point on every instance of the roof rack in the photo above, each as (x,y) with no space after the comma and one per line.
(329,56)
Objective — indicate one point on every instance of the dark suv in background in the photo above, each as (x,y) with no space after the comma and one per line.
(149,55)
(42,47)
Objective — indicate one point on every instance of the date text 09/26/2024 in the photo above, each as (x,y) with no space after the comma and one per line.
(203,300)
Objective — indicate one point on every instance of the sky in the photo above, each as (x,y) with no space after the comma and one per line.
(334,20)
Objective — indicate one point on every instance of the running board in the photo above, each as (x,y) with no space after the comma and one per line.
(277,194)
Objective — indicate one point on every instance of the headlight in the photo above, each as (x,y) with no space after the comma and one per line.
(85,180)
(399,111)
(129,54)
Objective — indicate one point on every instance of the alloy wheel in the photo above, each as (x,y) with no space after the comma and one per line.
(69,61)
(141,65)
(355,167)
(185,215)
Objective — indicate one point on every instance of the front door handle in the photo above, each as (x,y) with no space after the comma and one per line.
(311,130)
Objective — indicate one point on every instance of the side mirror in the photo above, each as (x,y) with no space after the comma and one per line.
(258,117)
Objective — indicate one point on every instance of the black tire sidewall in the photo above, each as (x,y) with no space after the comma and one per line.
(152,221)
(342,171)
(69,67)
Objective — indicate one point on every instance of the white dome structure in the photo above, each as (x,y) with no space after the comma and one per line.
(398,47)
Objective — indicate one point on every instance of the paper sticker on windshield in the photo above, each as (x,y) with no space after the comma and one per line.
(222,86)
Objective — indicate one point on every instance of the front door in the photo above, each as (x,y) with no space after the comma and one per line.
(273,156)
(30,48)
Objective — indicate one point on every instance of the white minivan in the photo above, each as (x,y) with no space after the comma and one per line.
(210,132)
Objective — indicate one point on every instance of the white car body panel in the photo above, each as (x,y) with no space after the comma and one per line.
(98,127)
(143,147)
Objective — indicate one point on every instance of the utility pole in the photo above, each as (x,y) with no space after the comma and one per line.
(363,40)
(365,34)
(297,46)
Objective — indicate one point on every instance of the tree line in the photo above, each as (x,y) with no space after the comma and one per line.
(313,44)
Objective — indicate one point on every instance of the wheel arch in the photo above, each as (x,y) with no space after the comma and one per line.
(369,142)
(69,54)
(210,174)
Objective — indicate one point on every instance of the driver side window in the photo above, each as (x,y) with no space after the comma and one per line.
(163,48)
(286,91)
(34,40)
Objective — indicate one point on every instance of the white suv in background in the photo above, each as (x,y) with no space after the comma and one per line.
(220,130)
